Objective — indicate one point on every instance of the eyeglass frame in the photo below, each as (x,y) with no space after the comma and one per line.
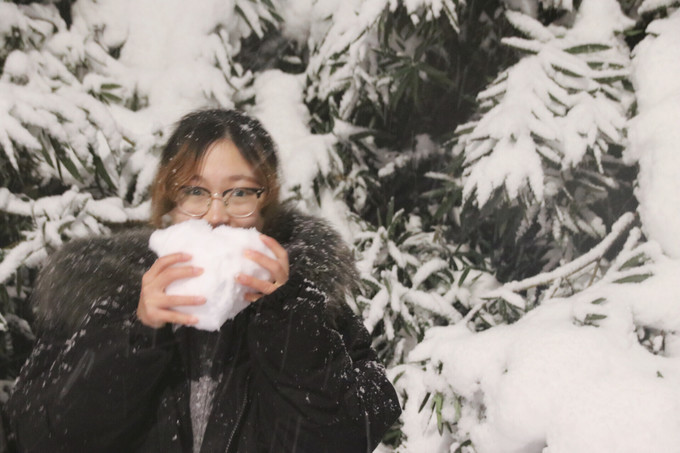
(221,197)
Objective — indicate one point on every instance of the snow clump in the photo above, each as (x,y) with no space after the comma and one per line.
(219,252)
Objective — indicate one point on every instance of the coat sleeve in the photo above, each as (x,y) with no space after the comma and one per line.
(92,391)
(317,389)
(90,387)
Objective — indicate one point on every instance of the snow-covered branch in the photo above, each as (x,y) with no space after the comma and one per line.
(596,253)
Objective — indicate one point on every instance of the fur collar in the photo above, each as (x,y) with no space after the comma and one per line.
(104,273)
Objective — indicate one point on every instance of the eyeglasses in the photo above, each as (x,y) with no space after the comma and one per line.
(239,202)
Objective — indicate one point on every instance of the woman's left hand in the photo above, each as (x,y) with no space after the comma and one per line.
(278,268)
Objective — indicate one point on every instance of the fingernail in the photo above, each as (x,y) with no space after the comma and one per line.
(198,270)
(200,300)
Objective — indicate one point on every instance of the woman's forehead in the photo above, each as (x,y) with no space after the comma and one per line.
(224,163)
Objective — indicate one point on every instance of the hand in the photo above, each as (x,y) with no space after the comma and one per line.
(278,268)
(155,307)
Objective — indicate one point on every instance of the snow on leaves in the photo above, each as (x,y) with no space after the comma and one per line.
(347,59)
(59,218)
(548,110)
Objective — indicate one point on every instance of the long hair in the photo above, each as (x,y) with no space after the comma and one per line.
(189,143)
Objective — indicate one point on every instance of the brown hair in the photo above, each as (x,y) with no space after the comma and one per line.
(188,144)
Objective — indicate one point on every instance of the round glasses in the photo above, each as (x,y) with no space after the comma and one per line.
(239,202)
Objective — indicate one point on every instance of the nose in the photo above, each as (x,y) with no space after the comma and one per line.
(217,213)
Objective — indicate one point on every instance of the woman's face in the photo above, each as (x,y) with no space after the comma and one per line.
(223,168)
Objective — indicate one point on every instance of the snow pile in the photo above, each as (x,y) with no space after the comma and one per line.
(174,67)
(219,252)
(654,132)
(570,376)
(280,108)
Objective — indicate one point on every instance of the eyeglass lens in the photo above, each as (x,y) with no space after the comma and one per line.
(239,201)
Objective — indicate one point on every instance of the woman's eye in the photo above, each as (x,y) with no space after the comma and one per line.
(194,191)
(238,192)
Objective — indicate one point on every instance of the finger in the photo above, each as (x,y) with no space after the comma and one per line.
(175,317)
(252,297)
(278,268)
(172,274)
(271,264)
(261,286)
(166,261)
(157,318)
(177,301)
(252,282)
(279,252)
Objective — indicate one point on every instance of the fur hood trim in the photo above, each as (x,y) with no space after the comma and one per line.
(105,272)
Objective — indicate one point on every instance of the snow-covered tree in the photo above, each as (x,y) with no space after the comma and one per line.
(546,147)
(485,159)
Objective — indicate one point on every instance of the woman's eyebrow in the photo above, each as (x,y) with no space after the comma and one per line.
(198,179)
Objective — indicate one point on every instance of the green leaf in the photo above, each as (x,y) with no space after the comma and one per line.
(402,86)
(101,171)
(243,15)
(458,408)
(609,79)
(64,159)
(437,75)
(389,217)
(587,48)
(451,16)
(47,157)
(566,71)
(592,318)
(71,167)
(424,402)
(447,205)
(635,261)
(633,32)
(106,97)
(599,301)
(637,278)
(462,278)
(438,403)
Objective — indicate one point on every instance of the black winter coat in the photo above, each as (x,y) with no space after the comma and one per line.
(293,371)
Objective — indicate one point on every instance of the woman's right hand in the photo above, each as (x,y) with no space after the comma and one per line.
(155,306)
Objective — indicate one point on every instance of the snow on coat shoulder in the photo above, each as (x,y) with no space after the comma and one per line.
(219,252)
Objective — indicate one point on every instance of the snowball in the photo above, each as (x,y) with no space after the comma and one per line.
(219,252)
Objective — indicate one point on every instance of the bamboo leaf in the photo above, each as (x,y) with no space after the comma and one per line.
(106,97)
(637,278)
(592,318)
(635,261)
(566,71)
(101,171)
(64,159)
(424,402)
(438,403)
(587,48)
(462,278)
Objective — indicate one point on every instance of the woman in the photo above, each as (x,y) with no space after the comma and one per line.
(116,369)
